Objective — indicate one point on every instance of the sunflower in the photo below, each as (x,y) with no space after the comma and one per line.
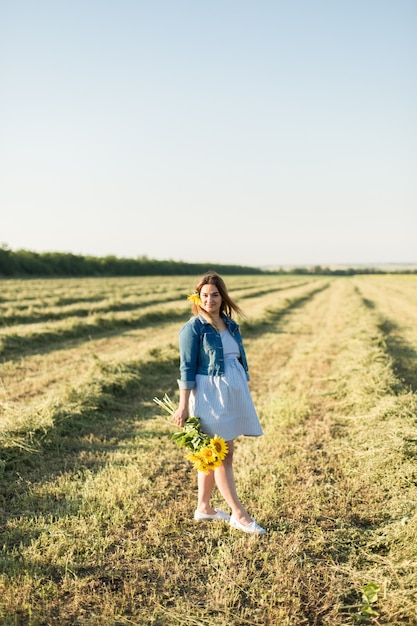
(208,454)
(198,461)
(205,460)
(195,298)
(193,457)
(210,458)
(219,446)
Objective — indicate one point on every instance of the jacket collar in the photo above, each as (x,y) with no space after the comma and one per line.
(204,321)
(228,321)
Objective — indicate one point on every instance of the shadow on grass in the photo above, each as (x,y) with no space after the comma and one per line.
(114,406)
(112,419)
(272,316)
(44,342)
(262,292)
(403,354)
(39,316)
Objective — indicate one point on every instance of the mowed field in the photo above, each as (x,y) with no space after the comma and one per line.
(97,502)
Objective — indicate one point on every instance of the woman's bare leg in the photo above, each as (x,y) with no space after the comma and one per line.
(205,488)
(225,481)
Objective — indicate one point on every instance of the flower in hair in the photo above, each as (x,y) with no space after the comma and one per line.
(195,298)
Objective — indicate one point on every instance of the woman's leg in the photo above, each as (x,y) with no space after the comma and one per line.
(225,481)
(205,488)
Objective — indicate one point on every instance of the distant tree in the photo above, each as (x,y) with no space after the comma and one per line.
(6,260)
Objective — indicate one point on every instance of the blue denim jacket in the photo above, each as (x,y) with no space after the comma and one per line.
(201,350)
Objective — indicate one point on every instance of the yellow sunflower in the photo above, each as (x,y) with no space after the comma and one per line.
(194,458)
(198,461)
(219,446)
(205,460)
(195,298)
(208,454)
(210,457)
(214,464)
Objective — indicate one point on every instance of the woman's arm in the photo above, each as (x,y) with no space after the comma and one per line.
(181,414)
(189,344)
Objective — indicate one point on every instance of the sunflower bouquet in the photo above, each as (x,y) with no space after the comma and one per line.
(205,453)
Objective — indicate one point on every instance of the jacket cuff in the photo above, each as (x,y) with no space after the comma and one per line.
(186,384)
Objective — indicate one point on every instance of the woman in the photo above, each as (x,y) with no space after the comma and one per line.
(213,386)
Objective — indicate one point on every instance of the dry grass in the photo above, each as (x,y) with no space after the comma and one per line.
(96,524)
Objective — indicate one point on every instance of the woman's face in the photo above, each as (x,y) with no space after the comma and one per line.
(211,299)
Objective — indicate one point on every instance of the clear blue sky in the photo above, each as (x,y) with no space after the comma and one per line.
(260,133)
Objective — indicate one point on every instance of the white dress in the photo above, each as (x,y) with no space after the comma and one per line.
(223,403)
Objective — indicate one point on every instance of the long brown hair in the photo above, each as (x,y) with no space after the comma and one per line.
(228,306)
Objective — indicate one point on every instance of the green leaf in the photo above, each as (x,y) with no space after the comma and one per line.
(370,593)
(369,611)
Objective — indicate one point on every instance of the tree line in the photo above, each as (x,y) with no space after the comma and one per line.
(26,264)
(29,264)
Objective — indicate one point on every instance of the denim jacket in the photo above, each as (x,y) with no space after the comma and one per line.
(201,350)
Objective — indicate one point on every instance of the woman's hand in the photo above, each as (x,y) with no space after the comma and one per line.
(180,416)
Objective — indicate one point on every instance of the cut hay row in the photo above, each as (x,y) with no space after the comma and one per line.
(61,292)
(27,338)
(132,297)
(38,338)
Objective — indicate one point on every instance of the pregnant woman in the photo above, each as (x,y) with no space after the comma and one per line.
(214,387)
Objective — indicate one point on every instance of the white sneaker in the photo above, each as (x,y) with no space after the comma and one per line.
(218,515)
(252,527)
